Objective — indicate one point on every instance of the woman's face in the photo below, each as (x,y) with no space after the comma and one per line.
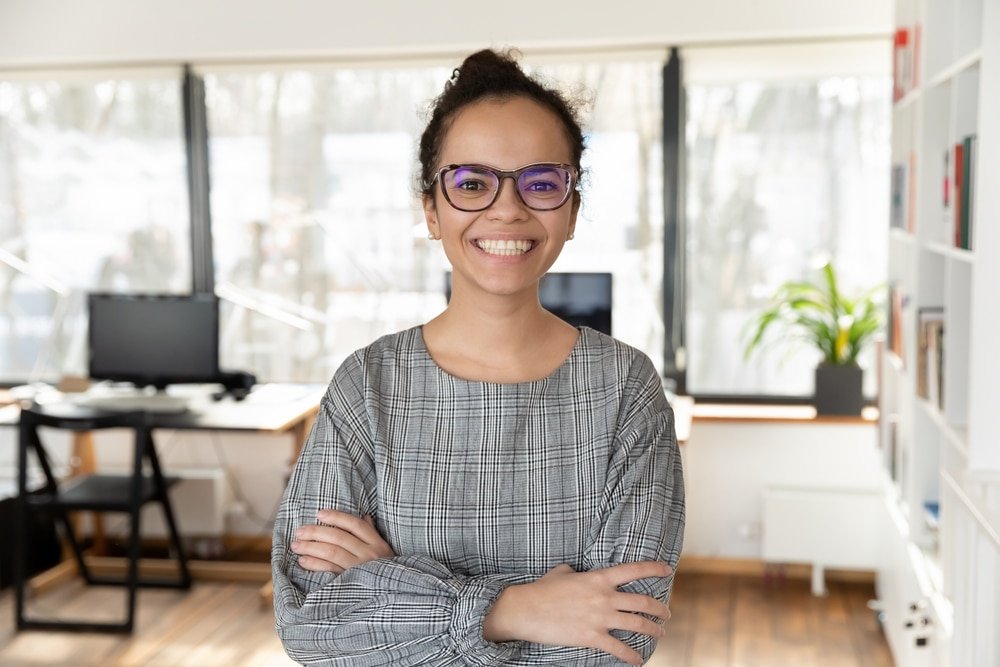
(504,135)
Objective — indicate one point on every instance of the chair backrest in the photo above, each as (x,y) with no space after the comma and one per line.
(75,418)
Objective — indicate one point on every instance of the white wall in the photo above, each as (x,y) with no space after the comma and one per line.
(727,466)
(91,31)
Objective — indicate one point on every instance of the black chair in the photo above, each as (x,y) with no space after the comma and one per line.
(97,493)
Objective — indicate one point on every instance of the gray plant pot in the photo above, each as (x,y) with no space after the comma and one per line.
(838,390)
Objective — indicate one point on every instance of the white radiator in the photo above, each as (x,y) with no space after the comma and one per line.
(199,500)
(835,528)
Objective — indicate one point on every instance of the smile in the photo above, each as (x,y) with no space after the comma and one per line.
(504,248)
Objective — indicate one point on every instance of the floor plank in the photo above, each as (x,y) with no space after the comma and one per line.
(717,621)
(744,621)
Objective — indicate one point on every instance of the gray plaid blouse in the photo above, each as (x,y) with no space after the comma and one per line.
(476,486)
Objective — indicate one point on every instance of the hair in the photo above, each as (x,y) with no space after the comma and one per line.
(491,75)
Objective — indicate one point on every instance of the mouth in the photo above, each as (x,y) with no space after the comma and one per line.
(505,247)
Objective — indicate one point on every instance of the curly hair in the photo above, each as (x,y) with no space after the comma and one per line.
(491,75)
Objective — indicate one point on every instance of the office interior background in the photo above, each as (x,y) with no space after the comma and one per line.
(790,137)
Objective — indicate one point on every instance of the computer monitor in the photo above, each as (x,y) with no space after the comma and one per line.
(582,299)
(153,339)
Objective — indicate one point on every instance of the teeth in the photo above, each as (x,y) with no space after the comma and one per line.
(504,248)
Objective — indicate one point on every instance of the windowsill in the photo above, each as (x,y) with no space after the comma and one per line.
(790,414)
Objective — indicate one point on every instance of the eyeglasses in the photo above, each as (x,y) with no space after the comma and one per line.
(544,186)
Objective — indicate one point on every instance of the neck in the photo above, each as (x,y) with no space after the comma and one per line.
(507,338)
(505,325)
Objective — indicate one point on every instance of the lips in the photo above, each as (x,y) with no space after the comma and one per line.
(505,247)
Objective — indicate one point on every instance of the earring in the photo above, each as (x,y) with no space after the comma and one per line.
(571,236)
(431,237)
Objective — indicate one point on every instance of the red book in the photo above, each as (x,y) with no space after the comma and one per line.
(900,76)
(957,198)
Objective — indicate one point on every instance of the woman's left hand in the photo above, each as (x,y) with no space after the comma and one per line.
(344,541)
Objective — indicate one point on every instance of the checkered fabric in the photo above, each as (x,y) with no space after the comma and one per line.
(476,486)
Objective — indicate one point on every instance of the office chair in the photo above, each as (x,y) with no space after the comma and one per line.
(97,493)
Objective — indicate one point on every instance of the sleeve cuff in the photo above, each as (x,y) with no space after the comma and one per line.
(475,599)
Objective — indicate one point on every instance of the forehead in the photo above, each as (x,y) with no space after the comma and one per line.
(506,134)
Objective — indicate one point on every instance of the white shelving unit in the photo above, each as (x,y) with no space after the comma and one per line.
(939,581)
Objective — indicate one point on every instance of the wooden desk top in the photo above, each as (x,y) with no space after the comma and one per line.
(273,408)
(270,408)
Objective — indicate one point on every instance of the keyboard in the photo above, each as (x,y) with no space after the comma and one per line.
(159,403)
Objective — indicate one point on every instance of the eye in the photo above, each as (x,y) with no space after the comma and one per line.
(470,181)
(540,185)
(543,181)
(470,184)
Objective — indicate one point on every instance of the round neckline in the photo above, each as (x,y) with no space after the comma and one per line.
(422,345)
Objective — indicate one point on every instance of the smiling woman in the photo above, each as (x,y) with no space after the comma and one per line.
(495,487)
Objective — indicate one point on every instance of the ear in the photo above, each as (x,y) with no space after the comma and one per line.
(430,215)
(573,213)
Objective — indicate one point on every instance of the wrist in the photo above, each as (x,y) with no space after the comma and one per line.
(498,624)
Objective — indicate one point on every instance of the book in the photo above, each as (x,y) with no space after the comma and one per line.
(911,192)
(959,165)
(946,189)
(897,302)
(897,203)
(901,73)
(968,191)
(930,320)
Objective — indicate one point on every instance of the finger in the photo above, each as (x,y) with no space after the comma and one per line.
(328,552)
(637,623)
(352,524)
(319,565)
(643,604)
(618,649)
(626,572)
(336,536)
(562,568)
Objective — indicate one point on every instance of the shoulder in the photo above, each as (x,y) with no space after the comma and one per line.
(630,371)
(629,364)
(370,365)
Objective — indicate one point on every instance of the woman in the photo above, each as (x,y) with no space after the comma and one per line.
(495,487)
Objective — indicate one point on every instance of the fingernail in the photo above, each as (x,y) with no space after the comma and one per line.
(321,513)
(294,546)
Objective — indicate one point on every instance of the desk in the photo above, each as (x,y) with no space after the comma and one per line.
(270,408)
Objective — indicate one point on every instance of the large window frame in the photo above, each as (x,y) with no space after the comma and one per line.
(676,292)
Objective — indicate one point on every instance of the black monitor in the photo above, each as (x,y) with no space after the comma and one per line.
(153,339)
(582,299)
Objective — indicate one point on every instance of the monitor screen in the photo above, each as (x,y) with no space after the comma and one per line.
(153,339)
(582,299)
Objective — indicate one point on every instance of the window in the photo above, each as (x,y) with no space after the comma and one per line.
(787,163)
(92,197)
(320,244)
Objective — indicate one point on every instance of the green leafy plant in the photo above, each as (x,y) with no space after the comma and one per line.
(820,314)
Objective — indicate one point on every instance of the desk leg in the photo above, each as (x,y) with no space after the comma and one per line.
(299,434)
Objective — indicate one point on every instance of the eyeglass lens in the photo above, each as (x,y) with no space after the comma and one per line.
(473,188)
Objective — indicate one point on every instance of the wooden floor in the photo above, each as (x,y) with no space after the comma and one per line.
(730,621)
(718,621)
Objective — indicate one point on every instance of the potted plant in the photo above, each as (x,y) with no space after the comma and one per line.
(838,326)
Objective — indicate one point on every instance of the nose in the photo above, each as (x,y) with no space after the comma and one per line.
(508,203)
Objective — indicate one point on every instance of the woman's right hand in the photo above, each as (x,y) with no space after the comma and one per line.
(569,608)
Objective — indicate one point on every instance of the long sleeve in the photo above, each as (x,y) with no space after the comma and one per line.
(477,487)
(642,512)
(409,610)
